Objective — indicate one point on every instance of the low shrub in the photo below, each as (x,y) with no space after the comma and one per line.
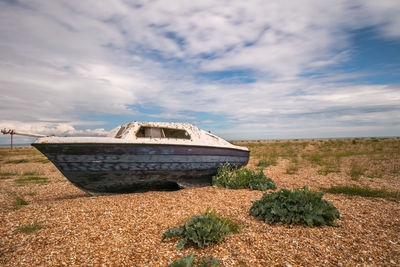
(233,178)
(185,261)
(300,206)
(189,261)
(203,230)
(209,262)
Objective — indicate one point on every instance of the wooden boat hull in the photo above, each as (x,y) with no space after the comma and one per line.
(123,168)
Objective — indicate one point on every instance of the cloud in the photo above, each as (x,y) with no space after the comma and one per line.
(61,62)
(49,128)
(55,128)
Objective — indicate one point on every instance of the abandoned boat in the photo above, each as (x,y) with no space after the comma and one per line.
(140,156)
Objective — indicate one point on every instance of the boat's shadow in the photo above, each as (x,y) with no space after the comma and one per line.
(83,194)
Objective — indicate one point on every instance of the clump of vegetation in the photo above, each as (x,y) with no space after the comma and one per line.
(19,151)
(17,161)
(363,192)
(32,173)
(329,166)
(29,228)
(356,170)
(35,160)
(300,206)
(184,261)
(32,179)
(189,261)
(31,193)
(7,175)
(292,168)
(41,160)
(18,202)
(233,178)
(263,163)
(328,156)
(209,262)
(203,230)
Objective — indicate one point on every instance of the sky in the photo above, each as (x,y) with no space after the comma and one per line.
(243,70)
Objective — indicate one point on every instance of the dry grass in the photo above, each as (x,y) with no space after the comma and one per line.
(29,228)
(126,230)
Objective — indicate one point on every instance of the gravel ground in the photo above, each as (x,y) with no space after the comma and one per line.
(126,230)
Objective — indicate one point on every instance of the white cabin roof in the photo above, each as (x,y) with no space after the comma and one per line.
(168,133)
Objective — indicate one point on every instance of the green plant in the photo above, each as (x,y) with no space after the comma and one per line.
(292,168)
(329,154)
(300,206)
(209,262)
(32,173)
(32,179)
(185,261)
(29,228)
(356,170)
(362,191)
(19,202)
(17,161)
(263,163)
(41,160)
(203,230)
(31,193)
(329,166)
(375,173)
(7,175)
(232,178)
(189,261)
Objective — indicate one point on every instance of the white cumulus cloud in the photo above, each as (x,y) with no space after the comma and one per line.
(62,61)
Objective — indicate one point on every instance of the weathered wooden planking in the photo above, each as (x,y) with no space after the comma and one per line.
(121,168)
(135,149)
(143,158)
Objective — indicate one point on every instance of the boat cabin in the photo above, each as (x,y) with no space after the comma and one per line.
(138,130)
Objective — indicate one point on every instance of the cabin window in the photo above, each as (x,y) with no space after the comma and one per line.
(120,131)
(156,132)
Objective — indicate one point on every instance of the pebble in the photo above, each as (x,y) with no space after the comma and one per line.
(113,230)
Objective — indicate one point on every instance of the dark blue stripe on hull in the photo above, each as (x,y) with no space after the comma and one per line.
(167,166)
(136,149)
(144,158)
